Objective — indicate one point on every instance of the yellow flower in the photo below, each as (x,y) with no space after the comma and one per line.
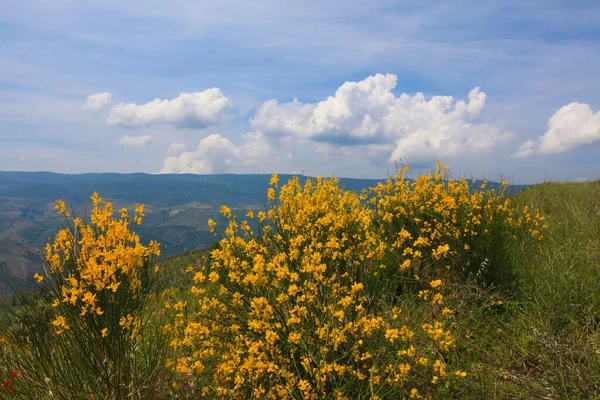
(126,322)
(357,287)
(294,337)
(62,209)
(105,332)
(405,264)
(226,211)
(212,224)
(139,210)
(61,323)
(274,180)
(436,283)
(213,277)
(114,286)
(38,277)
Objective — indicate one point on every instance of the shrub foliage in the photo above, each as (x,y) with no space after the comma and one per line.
(95,337)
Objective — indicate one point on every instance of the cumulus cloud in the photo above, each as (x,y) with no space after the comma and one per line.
(95,102)
(526,149)
(135,141)
(368,113)
(216,154)
(176,148)
(573,125)
(188,110)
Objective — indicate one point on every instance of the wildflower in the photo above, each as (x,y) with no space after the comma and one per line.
(226,211)
(60,323)
(446,311)
(62,209)
(139,210)
(38,277)
(436,283)
(274,180)
(212,224)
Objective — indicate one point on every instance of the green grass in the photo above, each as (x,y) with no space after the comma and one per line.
(543,342)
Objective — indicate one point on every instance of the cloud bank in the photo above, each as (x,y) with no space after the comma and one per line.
(188,110)
(368,113)
(216,154)
(95,102)
(573,125)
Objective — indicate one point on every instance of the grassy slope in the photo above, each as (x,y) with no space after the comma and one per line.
(543,341)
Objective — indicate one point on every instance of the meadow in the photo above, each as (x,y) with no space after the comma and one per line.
(412,288)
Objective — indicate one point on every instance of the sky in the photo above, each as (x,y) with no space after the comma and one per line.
(347,88)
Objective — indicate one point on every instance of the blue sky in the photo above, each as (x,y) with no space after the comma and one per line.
(315,87)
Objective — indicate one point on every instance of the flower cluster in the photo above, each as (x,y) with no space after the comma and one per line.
(435,223)
(101,282)
(93,264)
(304,299)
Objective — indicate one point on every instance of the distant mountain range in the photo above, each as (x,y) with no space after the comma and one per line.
(177,208)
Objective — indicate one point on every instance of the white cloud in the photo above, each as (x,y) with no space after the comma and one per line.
(368,113)
(216,154)
(22,158)
(573,125)
(95,102)
(526,149)
(188,110)
(176,148)
(135,141)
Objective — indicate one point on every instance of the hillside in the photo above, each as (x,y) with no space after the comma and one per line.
(434,289)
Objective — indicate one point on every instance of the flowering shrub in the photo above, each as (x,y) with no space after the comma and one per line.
(435,224)
(310,305)
(96,337)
